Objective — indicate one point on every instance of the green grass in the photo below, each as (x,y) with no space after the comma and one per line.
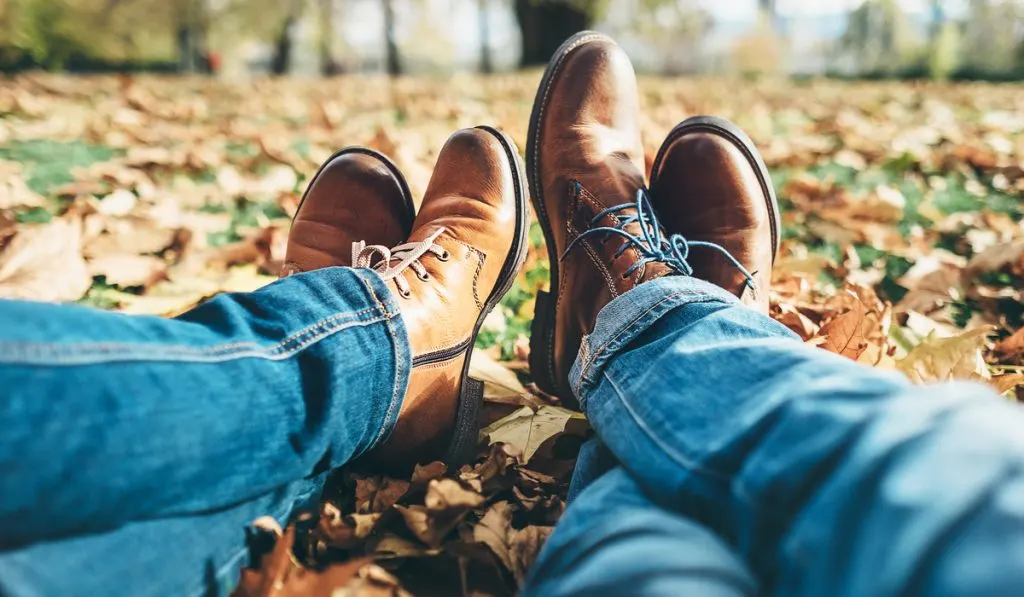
(48,164)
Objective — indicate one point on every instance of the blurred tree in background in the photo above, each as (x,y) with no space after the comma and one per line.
(881,39)
(877,38)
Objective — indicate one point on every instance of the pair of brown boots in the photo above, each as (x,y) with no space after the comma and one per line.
(451,263)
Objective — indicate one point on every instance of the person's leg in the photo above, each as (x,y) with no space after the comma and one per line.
(194,555)
(613,540)
(108,419)
(829,478)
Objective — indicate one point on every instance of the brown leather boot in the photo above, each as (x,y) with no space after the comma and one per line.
(357,195)
(585,156)
(710,185)
(465,250)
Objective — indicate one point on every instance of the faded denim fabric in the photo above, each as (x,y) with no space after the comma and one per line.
(735,460)
(136,451)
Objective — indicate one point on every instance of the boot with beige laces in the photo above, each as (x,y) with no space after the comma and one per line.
(466,248)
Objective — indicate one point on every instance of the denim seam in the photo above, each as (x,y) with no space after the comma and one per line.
(596,355)
(388,426)
(396,399)
(133,354)
(386,310)
(8,349)
(680,459)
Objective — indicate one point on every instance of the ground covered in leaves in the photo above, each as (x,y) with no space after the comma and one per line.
(903,249)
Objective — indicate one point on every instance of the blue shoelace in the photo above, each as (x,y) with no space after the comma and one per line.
(672,250)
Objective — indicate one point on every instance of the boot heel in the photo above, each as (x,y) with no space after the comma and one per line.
(467,424)
(541,341)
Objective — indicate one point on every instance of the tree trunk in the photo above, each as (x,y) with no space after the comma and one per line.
(394,62)
(545,24)
(486,60)
(768,10)
(328,65)
(283,47)
(190,36)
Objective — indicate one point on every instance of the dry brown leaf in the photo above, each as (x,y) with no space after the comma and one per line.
(447,494)
(44,262)
(792,318)
(516,549)
(14,191)
(424,473)
(524,546)
(493,531)
(1007,382)
(128,270)
(499,382)
(844,334)
(1011,348)
(131,236)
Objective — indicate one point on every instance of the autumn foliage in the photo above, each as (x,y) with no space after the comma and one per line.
(902,249)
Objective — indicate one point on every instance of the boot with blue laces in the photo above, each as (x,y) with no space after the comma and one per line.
(585,165)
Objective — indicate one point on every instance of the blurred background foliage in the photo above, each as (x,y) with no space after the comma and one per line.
(936,39)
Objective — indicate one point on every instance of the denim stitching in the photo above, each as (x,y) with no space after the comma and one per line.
(9,350)
(678,458)
(159,355)
(373,295)
(595,355)
(399,369)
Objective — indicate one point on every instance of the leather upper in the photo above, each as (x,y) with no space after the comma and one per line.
(472,196)
(589,156)
(356,196)
(707,188)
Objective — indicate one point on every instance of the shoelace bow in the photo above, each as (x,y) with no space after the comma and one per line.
(408,256)
(654,246)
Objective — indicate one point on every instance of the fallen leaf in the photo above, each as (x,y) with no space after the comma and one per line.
(1007,382)
(944,359)
(525,430)
(499,382)
(1011,348)
(44,262)
(493,531)
(128,270)
(448,494)
(844,334)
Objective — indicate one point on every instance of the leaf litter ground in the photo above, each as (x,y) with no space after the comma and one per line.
(903,249)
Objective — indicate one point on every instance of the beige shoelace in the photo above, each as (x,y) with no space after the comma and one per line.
(379,258)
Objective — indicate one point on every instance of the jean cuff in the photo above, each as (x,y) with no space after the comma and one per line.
(628,315)
(378,291)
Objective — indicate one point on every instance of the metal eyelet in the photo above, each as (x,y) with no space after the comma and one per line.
(405,294)
(445,256)
(424,277)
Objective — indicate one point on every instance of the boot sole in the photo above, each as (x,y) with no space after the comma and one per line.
(462,448)
(542,333)
(410,207)
(725,128)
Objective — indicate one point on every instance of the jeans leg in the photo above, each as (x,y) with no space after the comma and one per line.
(613,540)
(197,555)
(827,477)
(108,419)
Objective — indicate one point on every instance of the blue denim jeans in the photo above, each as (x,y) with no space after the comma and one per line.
(731,459)
(734,460)
(136,451)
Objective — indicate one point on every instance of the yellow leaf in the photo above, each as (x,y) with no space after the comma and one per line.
(526,430)
(944,359)
(499,381)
